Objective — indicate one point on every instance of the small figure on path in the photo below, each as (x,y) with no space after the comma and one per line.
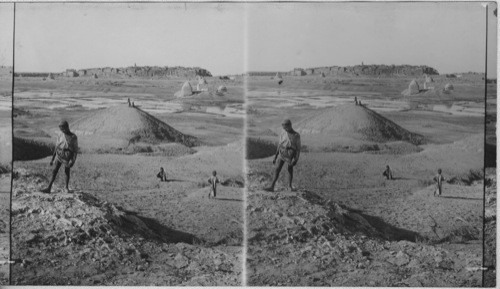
(213,180)
(162,175)
(356,100)
(65,151)
(387,173)
(129,104)
(288,151)
(439,179)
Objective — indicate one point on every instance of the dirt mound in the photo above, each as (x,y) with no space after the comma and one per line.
(130,124)
(258,148)
(186,90)
(357,122)
(329,217)
(78,239)
(29,149)
(300,239)
(490,223)
(236,182)
(166,150)
(4,227)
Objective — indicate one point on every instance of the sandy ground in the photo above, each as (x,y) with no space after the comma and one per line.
(200,231)
(345,226)
(180,202)
(490,219)
(5,131)
(4,227)
(5,165)
(490,230)
(399,210)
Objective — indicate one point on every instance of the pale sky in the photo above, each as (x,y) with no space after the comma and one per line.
(53,37)
(230,38)
(6,33)
(447,36)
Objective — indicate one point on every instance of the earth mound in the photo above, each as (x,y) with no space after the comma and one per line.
(301,239)
(490,224)
(186,90)
(4,227)
(129,124)
(30,149)
(259,148)
(356,122)
(77,239)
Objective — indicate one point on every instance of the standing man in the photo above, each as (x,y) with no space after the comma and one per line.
(65,151)
(213,181)
(439,179)
(288,151)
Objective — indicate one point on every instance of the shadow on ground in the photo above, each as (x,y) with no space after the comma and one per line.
(169,235)
(389,232)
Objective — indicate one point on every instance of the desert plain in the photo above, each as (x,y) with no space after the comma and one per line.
(345,224)
(121,225)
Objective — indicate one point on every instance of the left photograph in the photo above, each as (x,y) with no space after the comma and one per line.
(6,47)
(128,144)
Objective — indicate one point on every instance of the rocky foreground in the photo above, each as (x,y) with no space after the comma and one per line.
(490,223)
(301,239)
(77,239)
(4,226)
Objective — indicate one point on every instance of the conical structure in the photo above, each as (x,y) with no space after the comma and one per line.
(186,90)
(413,89)
(356,122)
(129,124)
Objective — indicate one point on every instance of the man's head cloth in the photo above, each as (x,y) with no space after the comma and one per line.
(63,124)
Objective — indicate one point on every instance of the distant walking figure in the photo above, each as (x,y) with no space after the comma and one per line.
(65,153)
(129,104)
(213,180)
(288,151)
(387,173)
(162,175)
(439,179)
(356,100)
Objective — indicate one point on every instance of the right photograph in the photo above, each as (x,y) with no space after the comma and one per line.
(368,148)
